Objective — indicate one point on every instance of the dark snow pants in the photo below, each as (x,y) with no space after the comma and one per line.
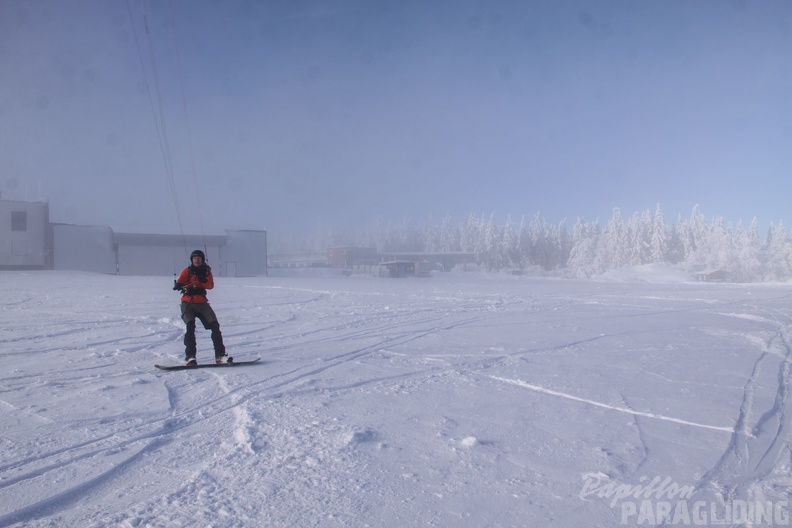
(203,312)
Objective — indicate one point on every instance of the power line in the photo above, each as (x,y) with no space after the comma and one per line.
(158,111)
(187,121)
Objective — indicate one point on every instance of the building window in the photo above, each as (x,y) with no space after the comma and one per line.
(18,220)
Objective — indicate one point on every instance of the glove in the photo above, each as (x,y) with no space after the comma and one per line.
(177,286)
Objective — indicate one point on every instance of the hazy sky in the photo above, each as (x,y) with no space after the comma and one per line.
(281,113)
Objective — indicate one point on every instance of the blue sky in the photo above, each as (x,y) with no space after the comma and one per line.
(283,114)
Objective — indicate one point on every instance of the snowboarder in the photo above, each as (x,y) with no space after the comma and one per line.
(193,283)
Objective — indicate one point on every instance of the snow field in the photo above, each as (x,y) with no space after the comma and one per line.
(459,400)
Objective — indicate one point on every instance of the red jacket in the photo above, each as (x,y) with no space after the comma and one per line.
(189,279)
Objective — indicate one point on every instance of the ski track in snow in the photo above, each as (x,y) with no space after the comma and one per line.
(381,403)
(756,464)
(633,412)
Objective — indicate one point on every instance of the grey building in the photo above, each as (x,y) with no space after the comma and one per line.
(28,240)
(231,253)
(25,235)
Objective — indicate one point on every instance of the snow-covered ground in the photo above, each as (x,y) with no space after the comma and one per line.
(464,399)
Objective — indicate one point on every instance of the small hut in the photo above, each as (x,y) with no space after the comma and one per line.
(397,269)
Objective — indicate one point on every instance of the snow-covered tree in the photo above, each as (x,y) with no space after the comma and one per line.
(564,245)
(747,264)
(583,260)
(660,237)
(449,235)
(675,251)
(639,230)
(524,244)
(469,234)
(695,243)
(493,247)
(431,236)
(511,246)
(778,253)
(698,231)
(613,250)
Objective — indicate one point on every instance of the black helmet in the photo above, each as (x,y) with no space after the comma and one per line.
(198,253)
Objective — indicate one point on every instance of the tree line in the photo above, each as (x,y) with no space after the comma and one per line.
(696,244)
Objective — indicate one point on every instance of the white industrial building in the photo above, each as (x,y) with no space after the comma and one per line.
(29,241)
(25,235)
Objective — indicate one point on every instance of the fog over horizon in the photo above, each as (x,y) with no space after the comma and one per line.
(284,115)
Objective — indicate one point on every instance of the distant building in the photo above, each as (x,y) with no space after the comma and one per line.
(397,269)
(352,256)
(439,261)
(422,263)
(103,249)
(29,241)
(25,235)
(714,275)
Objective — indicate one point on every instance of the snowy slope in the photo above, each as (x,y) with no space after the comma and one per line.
(459,400)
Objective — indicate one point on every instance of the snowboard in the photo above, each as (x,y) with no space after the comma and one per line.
(207,365)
